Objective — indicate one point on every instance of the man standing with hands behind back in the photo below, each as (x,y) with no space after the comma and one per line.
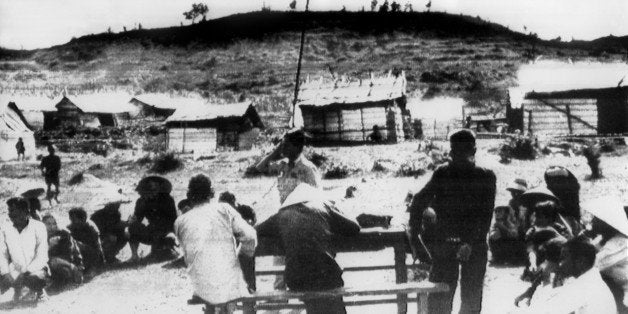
(462,196)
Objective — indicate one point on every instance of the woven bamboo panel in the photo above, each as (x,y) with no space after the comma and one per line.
(353,136)
(195,140)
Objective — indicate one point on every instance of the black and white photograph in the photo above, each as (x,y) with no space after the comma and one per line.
(314,156)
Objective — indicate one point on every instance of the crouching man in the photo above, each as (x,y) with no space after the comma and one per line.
(305,224)
(23,253)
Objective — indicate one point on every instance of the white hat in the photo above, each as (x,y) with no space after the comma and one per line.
(610,210)
(304,193)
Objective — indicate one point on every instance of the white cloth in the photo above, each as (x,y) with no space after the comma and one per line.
(612,260)
(208,234)
(303,171)
(587,294)
(23,251)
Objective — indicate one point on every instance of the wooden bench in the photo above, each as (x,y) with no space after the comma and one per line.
(250,305)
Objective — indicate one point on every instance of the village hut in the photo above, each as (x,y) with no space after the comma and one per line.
(204,128)
(32,107)
(91,110)
(558,98)
(155,107)
(345,111)
(13,126)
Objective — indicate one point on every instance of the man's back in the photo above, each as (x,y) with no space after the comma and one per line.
(306,231)
(51,164)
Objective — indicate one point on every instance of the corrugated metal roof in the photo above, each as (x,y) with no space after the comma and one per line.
(208,111)
(116,102)
(29,102)
(319,93)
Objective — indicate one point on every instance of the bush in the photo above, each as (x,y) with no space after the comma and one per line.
(318,159)
(518,148)
(339,171)
(411,169)
(144,160)
(166,162)
(155,144)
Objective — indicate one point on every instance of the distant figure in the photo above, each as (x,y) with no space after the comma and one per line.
(376,135)
(19,147)
(157,206)
(462,196)
(66,261)
(88,240)
(23,252)
(304,226)
(467,122)
(395,7)
(384,7)
(585,291)
(208,233)
(113,236)
(293,5)
(50,166)
(373,5)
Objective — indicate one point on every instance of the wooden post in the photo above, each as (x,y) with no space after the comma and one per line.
(422,303)
(530,121)
(183,142)
(401,276)
(568,110)
(324,124)
(362,120)
(339,125)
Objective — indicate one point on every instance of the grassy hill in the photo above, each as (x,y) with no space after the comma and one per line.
(255,54)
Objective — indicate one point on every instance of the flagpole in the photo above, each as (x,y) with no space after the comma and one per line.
(296,85)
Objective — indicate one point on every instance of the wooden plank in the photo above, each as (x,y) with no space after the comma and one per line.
(278,270)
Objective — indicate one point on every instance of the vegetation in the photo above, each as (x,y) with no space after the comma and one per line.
(166,162)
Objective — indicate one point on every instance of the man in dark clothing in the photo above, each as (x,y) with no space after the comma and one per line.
(50,166)
(19,147)
(66,261)
(159,209)
(305,225)
(462,196)
(88,240)
(113,236)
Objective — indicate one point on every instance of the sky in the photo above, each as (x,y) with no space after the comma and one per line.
(30,24)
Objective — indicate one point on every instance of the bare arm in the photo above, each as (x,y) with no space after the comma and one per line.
(264,164)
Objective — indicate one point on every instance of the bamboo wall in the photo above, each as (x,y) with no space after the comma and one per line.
(189,140)
(560,116)
(333,124)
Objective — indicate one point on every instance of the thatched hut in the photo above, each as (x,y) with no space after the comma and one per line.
(155,107)
(204,128)
(346,111)
(91,110)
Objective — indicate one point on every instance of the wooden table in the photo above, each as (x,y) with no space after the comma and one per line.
(371,239)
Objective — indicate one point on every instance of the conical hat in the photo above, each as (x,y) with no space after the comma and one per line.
(304,193)
(538,194)
(31,191)
(610,210)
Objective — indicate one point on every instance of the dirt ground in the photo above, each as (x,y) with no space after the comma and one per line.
(157,289)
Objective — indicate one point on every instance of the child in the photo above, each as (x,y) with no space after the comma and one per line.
(88,239)
(545,228)
(504,240)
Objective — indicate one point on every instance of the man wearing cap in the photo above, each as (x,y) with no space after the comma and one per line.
(305,224)
(50,166)
(297,169)
(609,227)
(462,196)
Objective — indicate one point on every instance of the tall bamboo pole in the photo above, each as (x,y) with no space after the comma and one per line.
(296,85)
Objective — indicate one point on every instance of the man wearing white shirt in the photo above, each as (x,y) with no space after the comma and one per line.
(23,252)
(586,292)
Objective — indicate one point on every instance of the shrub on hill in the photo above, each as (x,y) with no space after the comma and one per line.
(166,162)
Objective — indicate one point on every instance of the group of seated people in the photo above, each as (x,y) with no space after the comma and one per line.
(538,223)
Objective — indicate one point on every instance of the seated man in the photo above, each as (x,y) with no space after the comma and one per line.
(113,236)
(157,206)
(66,262)
(585,292)
(304,225)
(88,240)
(23,252)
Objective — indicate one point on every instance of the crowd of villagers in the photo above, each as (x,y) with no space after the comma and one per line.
(560,243)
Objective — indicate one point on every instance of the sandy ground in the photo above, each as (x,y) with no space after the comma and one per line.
(156,289)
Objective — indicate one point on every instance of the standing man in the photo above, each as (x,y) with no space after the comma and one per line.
(462,196)
(50,166)
(297,169)
(23,252)
(19,147)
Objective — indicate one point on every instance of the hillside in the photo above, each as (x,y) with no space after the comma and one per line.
(255,54)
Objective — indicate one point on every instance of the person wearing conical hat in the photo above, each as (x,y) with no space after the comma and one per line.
(610,227)
(305,224)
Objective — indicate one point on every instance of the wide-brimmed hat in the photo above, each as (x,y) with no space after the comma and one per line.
(518,185)
(163,185)
(304,193)
(538,194)
(31,191)
(610,210)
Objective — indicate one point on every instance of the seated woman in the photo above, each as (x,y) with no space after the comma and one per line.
(113,236)
(88,239)
(545,228)
(65,260)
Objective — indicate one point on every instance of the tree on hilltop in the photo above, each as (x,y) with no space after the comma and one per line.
(198,9)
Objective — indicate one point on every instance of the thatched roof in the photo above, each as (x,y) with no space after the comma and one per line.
(213,112)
